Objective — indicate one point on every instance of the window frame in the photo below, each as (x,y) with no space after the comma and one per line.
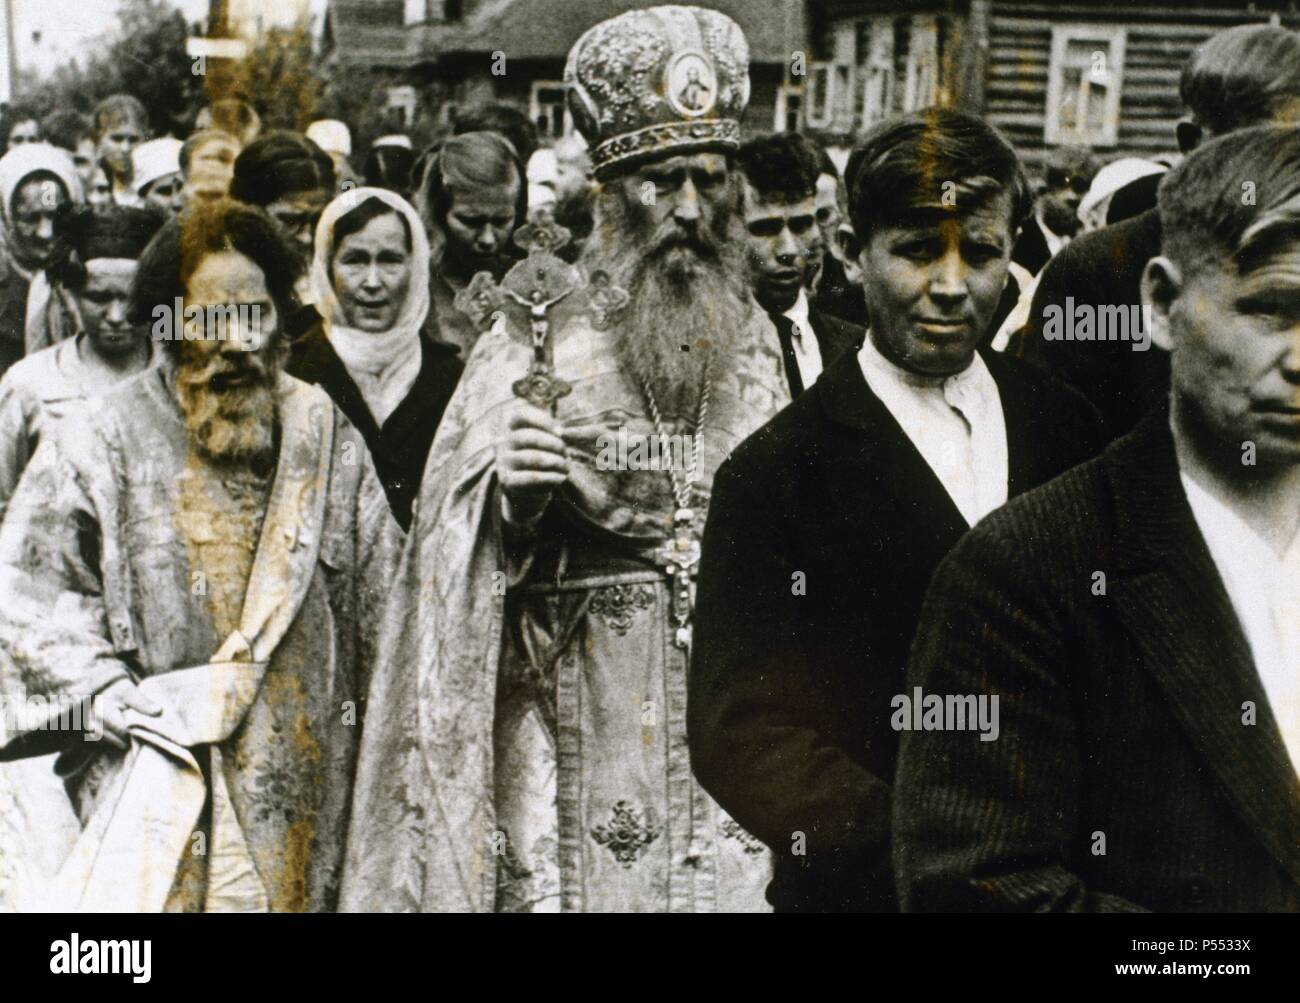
(405,99)
(535,106)
(819,82)
(1113,40)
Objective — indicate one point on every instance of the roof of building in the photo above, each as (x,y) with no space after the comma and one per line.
(364,30)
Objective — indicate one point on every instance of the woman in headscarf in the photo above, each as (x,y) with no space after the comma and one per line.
(369,352)
(38,184)
(1095,206)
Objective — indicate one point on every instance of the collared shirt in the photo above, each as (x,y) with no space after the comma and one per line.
(1054,240)
(1265,594)
(955,422)
(807,352)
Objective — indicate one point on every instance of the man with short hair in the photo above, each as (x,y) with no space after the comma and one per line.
(473,196)
(830,288)
(1243,76)
(826,524)
(120,125)
(1139,618)
(530,753)
(786,252)
(202,564)
(1067,173)
(293,180)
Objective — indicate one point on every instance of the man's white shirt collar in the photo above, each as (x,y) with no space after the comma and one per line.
(1265,594)
(798,313)
(807,352)
(955,423)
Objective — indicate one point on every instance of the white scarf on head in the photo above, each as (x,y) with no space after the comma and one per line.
(383,364)
(15,167)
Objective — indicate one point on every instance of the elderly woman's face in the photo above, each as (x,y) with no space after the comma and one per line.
(36,204)
(372,273)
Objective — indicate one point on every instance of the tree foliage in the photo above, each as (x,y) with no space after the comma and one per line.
(278,77)
(144,56)
(283,76)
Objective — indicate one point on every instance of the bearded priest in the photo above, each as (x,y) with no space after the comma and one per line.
(192,574)
(529,746)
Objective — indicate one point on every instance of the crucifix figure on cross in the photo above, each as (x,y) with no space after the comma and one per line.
(679,556)
(535,284)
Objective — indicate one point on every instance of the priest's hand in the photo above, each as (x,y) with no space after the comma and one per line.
(108,711)
(531,462)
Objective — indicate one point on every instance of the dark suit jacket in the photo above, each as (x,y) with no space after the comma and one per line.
(838,296)
(1030,249)
(1120,713)
(400,448)
(1102,268)
(823,530)
(13,317)
(835,337)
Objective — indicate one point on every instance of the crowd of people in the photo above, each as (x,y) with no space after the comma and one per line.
(318,590)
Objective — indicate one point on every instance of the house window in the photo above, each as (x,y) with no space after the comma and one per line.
(876,39)
(401,105)
(820,92)
(1083,85)
(415,11)
(921,79)
(546,108)
(789,109)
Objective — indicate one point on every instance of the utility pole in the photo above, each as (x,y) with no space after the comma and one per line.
(9,64)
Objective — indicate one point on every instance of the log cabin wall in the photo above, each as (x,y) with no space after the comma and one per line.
(1154,43)
(1098,74)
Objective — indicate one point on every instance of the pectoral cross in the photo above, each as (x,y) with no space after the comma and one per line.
(679,556)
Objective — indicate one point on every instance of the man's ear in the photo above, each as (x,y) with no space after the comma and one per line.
(1162,284)
(850,248)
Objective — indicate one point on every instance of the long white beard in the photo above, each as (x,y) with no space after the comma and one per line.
(689,304)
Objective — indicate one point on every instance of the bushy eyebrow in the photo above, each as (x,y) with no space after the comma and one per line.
(1266,240)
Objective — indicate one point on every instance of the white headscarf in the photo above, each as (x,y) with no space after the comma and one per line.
(383,364)
(21,162)
(15,167)
(1109,180)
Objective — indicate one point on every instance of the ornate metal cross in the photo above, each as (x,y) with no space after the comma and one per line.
(535,284)
(679,556)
